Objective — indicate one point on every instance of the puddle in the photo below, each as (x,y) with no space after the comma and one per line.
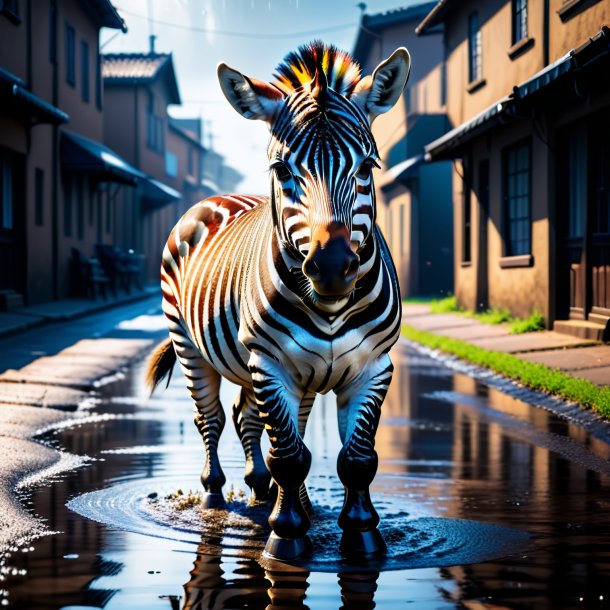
(486,502)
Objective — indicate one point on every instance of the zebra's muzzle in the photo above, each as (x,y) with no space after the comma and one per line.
(332,267)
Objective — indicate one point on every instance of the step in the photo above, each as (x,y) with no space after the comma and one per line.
(583,329)
(9,299)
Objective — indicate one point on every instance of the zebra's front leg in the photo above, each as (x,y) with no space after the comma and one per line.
(288,460)
(203,383)
(249,427)
(359,408)
(304,411)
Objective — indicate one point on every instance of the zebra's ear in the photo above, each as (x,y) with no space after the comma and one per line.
(253,99)
(381,91)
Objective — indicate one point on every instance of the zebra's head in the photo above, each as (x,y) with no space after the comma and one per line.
(321,153)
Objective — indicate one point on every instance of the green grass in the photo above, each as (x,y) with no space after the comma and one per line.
(446,305)
(532,324)
(532,375)
(492,316)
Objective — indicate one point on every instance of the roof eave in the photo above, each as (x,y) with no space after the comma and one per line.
(434,17)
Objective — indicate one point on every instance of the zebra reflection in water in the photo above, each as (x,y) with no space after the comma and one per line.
(293,294)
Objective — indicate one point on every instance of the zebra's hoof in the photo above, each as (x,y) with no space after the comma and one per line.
(356,544)
(213,500)
(286,549)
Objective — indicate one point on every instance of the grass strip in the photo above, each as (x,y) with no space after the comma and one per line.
(530,374)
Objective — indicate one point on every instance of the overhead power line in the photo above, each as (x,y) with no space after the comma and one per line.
(190,28)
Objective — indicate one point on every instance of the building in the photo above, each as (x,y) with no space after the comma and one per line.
(139,87)
(56,176)
(528,99)
(414,208)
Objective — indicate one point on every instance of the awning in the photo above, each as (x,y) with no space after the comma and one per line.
(209,187)
(401,172)
(16,99)
(80,154)
(156,194)
(448,146)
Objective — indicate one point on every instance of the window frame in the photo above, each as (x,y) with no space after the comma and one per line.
(70,40)
(475,48)
(509,220)
(519,26)
(85,73)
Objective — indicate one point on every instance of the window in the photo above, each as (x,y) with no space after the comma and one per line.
(10,9)
(171,164)
(70,55)
(6,193)
(84,54)
(68,187)
(53,32)
(517,199)
(519,20)
(79,200)
(39,196)
(98,80)
(190,163)
(475,61)
(155,132)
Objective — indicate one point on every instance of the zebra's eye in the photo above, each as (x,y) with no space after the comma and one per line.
(282,172)
(365,169)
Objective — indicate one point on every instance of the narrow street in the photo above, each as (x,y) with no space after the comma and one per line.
(485,501)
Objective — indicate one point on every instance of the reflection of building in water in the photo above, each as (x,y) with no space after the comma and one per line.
(534,476)
(414,426)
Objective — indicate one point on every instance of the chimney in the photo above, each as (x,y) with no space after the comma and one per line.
(152,39)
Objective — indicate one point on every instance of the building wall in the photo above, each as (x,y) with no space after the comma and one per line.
(500,71)
(25,50)
(576,29)
(520,289)
(402,211)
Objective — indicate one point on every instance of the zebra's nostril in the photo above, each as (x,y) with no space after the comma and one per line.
(352,268)
(311,269)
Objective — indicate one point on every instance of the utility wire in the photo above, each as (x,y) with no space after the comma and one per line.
(189,28)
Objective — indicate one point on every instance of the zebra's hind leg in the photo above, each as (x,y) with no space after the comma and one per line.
(249,427)
(203,383)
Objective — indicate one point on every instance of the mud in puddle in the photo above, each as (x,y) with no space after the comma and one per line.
(485,501)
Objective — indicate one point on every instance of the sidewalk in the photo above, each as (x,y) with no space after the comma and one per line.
(572,355)
(24,318)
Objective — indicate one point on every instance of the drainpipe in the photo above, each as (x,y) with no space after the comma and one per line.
(545,33)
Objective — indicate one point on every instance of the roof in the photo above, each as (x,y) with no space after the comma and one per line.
(184,133)
(435,16)
(572,62)
(81,154)
(106,14)
(16,97)
(140,68)
(370,24)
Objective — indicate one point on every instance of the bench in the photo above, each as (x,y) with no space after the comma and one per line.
(88,275)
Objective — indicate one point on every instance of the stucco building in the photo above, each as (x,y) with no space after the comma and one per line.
(51,100)
(528,99)
(414,208)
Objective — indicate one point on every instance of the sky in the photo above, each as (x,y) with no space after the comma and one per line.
(251,36)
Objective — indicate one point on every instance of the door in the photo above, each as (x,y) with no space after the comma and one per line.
(12,237)
(600,224)
(584,192)
(482,269)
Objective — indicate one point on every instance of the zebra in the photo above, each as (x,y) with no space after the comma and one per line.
(292,295)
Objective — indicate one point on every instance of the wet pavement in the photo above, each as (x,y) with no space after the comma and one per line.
(486,503)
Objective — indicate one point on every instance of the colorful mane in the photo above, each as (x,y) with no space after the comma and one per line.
(299,67)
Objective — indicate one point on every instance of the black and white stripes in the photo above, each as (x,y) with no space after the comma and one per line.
(295,294)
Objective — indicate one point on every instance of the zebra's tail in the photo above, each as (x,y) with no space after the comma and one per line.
(161,363)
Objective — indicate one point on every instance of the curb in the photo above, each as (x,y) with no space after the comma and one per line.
(43,320)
